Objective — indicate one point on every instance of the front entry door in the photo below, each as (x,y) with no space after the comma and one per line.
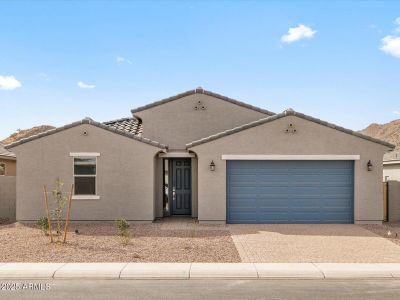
(181,187)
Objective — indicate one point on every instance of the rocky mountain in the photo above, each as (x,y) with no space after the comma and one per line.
(24,133)
(389,132)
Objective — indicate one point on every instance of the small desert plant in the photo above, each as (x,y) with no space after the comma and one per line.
(60,200)
(43,224)
(123,231)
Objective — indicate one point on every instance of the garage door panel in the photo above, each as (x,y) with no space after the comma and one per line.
(290,191)
(235,203)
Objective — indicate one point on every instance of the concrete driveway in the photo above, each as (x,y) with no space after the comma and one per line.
(312,243)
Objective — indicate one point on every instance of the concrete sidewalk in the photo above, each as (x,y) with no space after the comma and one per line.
(198,270)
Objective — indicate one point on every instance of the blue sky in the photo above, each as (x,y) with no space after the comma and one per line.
(62,61)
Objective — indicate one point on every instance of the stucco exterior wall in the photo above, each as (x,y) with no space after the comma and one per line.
(394,201)
(7,199)
(270,138)
(11,166)
(177,123)
(125,174)
(391,172)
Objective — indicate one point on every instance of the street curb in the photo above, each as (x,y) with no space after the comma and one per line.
(193,271)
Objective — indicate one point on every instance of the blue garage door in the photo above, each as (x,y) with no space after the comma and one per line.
(290,191)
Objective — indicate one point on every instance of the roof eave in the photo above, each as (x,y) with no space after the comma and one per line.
(205,92)
(286,113)
(90,122)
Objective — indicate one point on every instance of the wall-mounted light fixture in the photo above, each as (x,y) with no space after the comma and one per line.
(369,165)
(212,166)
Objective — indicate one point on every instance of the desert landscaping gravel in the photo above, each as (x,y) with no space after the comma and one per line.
(98,243)
(184,240)
(390,231)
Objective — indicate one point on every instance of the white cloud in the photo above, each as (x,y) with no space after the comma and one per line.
(396,112)
(298,33)
(120,60)
(83,85)
(391,45)
(397,22)
(9,83)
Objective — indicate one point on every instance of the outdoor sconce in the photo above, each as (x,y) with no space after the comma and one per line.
(212,166)
(369,165)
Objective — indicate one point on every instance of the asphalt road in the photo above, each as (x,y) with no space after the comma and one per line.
(208,289)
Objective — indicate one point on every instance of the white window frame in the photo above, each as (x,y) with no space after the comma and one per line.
(5,168)
(84,155)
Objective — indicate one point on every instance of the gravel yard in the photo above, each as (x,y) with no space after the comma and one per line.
(155,242)
(390,231)
(183,240)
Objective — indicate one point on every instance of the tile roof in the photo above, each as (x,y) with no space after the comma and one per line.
(5,152)
(200,90)
(130,125)
(90,122)
(288,112)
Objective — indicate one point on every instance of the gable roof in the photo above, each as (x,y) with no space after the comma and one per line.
(288,112)
(130,125)
(90,122)
(5,153)
(200,90)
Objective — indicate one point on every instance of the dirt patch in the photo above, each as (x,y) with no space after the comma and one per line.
(98,243)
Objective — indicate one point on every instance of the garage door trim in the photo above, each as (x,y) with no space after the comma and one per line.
(273,210)
(288,157)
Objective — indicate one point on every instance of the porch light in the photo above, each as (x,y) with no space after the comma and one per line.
(369,165)
(212,166)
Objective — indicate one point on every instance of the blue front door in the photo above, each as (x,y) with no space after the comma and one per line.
(181,187)
(290,191)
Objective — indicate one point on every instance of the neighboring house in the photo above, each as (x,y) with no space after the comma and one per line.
(7,162)
(391,166)
(204,155)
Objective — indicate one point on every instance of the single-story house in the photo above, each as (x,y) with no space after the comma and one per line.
(7,162)
(208,156)
(391,166)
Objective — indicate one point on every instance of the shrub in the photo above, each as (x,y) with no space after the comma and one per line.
(123,231)
(43,224)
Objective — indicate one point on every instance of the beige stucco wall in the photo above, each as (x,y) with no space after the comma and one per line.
(177,123)
(270,138)
(7,199)
(125,174)
(394,201)
(391,172)
(11,166)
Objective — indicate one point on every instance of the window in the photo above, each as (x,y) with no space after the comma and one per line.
(85,175)
(2,169)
